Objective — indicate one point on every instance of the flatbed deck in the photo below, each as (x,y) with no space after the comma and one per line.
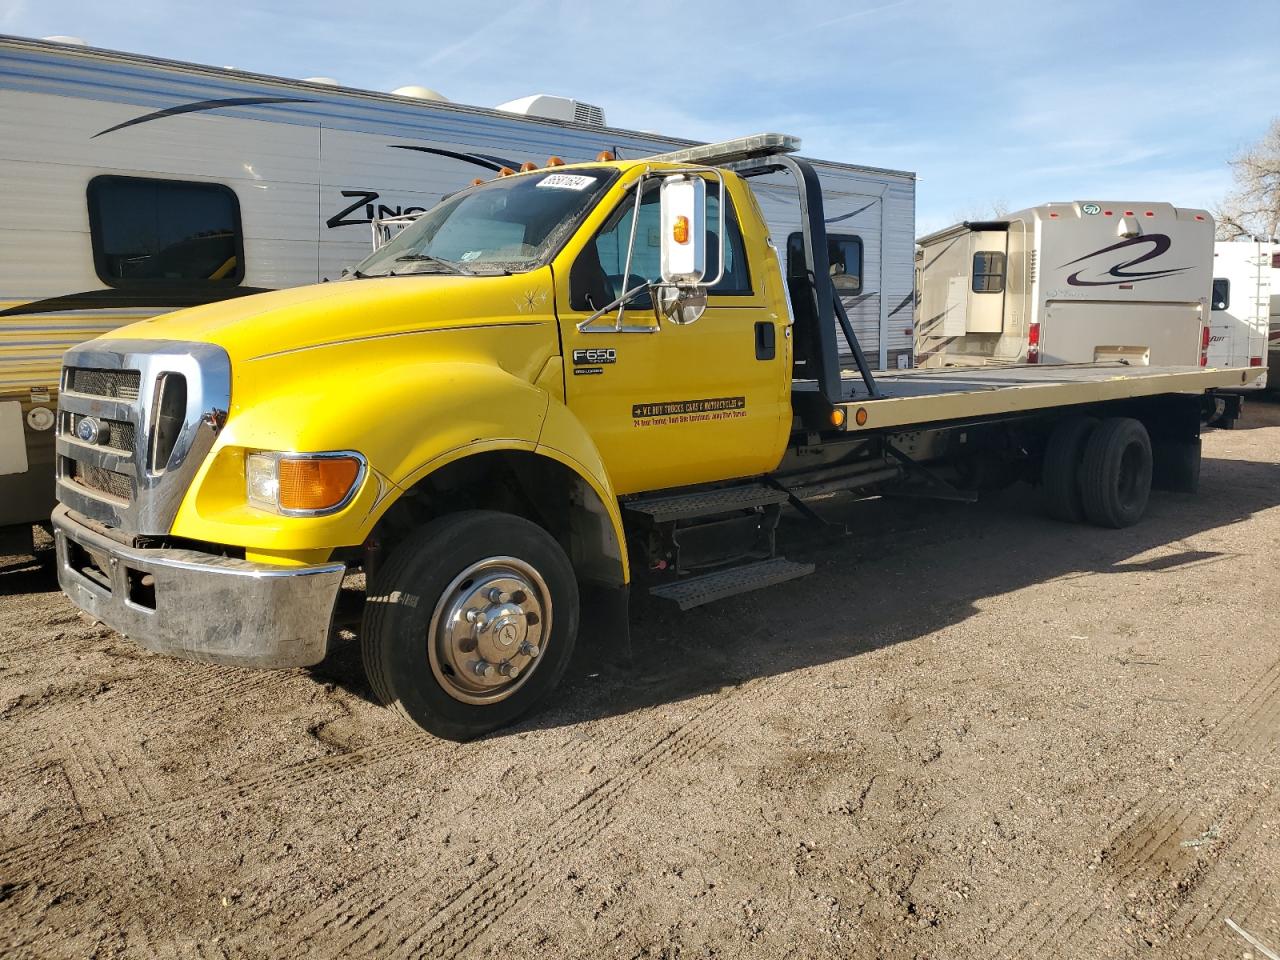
(917,397)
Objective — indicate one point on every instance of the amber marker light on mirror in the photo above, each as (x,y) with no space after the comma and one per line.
(680,230)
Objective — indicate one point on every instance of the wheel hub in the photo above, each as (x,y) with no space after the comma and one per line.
(486,634)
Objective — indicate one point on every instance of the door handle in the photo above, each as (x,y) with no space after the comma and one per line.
(765,347)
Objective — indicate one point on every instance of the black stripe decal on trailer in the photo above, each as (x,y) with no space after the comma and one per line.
(478,159)
(200,106)
(846,216)
(110,299)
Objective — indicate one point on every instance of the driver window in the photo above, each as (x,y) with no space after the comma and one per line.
(596,279)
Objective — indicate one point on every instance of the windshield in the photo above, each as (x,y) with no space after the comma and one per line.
(509,225)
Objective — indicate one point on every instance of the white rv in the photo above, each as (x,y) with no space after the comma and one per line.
(1067,283)
(1240,305)
(135,185)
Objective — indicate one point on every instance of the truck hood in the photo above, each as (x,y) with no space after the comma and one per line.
(329,314)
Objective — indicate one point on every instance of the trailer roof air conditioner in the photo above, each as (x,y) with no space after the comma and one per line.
(555,108)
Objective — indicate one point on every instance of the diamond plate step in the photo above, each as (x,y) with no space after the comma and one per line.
(695,591)
(707,503)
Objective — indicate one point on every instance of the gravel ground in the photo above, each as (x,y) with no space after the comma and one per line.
(973,733)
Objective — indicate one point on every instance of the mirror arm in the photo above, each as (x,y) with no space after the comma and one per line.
(620,303)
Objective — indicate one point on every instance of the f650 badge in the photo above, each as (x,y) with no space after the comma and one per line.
(595,356)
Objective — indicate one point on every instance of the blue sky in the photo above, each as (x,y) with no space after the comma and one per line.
(989,103)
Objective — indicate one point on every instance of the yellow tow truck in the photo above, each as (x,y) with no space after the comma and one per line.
(554,380)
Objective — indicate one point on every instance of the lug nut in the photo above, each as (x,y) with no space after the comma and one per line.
(498,595)
(483,668)
(509,670)
(530,650)
(478,617)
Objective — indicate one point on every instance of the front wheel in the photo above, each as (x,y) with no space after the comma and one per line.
(471,622)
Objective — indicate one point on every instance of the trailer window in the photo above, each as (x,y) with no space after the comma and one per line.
(988,271)
(844,259)
(1221,293)
(157,232)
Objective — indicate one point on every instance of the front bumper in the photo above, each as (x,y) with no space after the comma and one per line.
(197,605)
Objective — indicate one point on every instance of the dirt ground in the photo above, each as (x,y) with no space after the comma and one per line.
(973,733)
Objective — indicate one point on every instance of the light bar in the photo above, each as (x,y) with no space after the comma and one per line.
(732,151)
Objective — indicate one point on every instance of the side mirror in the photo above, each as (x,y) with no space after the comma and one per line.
(684,230)
(681,297)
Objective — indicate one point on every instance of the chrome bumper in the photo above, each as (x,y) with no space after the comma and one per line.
(196,605)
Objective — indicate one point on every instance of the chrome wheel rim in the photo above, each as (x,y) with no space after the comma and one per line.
(487,630)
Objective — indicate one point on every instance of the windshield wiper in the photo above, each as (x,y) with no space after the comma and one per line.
(428,258)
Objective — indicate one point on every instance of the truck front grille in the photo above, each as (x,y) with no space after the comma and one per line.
(157,407)
(116,384)
(118,485)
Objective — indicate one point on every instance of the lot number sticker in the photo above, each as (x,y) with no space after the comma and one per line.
(566,181)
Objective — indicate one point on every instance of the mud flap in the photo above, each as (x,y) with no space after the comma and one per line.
(1175,465)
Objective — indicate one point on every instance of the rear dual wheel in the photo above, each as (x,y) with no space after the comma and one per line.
(1098,470)
(471,622)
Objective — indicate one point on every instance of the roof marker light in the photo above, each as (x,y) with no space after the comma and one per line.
(506,172)
(1106,213)
(528,166)
(604,156)
(554,162)
(1199,216)
(1148,214)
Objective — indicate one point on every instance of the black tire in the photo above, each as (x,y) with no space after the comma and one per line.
(401,658)
(1115,480)
(1060,472)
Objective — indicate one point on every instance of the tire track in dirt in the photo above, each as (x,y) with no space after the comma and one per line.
(467,914)
(369,894)
(1065,915)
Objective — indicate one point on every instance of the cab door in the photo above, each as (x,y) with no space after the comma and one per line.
(669,404)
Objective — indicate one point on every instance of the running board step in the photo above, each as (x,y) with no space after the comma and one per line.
(707,503)
(695,591)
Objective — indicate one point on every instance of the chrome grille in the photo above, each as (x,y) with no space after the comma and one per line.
(120,433)
(159,405)
(118,485)
(116,384)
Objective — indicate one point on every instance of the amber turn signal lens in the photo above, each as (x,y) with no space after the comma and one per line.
(554,162)
(316,483)
(680,230)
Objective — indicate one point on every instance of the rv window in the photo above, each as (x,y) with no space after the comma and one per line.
(1221,293)
(164,231)
(844,256)
(988,271)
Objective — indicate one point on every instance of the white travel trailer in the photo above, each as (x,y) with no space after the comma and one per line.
(135,185)
(1067,283)
(1240,307)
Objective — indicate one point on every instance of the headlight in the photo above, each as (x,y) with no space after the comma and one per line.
(304,484)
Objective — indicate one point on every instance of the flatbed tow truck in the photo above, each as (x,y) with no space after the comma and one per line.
(552,381)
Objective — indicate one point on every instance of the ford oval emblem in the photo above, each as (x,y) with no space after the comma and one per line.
(89,430)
